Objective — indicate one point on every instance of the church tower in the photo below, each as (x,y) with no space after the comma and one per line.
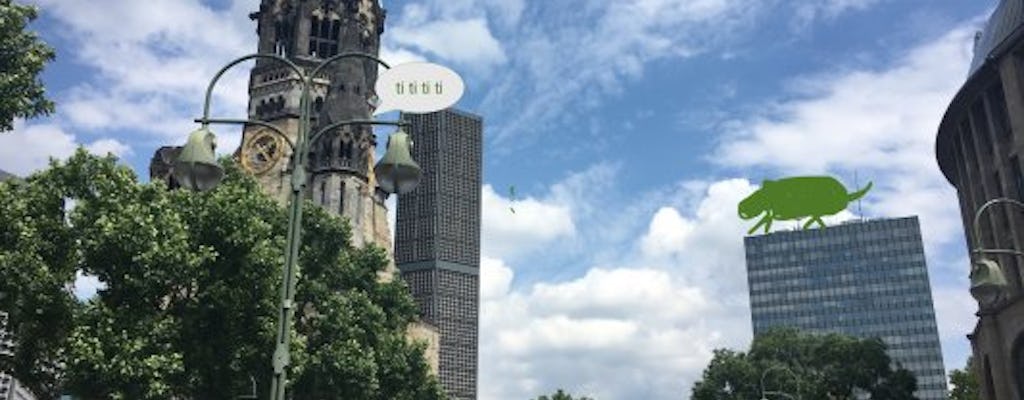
(341,162)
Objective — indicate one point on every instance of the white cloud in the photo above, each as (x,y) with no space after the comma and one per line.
(93,110)
(29,147)
(668,233)
(506,13)
(617,293)
(495,278)
(643,328)
(151,62)
(533,224)
(828,9)
(955,308)
(468,42)
(109,146)
(397,56)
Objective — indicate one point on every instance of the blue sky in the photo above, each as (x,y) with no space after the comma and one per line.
(630,129)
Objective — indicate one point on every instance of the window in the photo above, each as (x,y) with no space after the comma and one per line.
(280,40)
(323,37)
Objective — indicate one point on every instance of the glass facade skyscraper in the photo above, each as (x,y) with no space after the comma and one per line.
(864,278)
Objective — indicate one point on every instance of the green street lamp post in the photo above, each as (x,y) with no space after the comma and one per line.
(196,168)
(988,281)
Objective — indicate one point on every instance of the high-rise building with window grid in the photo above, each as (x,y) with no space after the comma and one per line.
(437,239)
(866,279)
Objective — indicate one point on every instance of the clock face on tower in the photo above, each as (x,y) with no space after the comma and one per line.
(261,151)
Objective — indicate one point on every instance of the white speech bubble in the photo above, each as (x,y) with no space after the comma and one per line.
(418,87)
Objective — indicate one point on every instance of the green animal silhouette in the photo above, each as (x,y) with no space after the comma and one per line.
(797,197)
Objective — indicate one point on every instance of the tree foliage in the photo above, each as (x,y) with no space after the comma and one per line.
(22,58)
(808,366)
(965,382)
(192,290)
(561,395)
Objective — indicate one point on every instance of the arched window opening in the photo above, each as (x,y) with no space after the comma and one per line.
(280,39)
(262,107)
(318,104)
(325,152)
(323,37)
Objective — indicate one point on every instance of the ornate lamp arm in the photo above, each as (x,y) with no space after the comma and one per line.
(978,249)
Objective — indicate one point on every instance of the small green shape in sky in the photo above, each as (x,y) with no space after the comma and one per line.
(512,197)
(797,197)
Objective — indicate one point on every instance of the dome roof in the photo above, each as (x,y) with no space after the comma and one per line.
(1005,20)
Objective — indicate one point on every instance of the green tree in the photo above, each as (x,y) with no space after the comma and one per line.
(561,395)
(810,366)
(192,289)
(38,260)
(965,382)
(22,58)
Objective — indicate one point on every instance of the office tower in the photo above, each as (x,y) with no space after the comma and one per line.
(978,148)
(438,239)
(864,278)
